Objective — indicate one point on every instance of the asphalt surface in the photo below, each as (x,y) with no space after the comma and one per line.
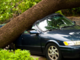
(71,59)
(43,58)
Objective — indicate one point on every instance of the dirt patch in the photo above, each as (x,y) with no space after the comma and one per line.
(39,57)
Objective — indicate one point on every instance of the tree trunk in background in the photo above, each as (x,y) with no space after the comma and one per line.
(15,27)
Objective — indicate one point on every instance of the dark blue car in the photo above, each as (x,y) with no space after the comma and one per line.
(54,36)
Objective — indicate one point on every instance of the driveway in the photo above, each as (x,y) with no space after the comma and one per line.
(43,58)
(72,59)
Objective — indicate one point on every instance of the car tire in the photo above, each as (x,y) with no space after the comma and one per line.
(52,52)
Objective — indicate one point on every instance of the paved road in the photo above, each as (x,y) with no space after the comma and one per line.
(72,59)
(43,58)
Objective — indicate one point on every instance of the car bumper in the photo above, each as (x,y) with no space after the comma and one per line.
(70,51)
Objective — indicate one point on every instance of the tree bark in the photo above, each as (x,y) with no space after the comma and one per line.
(15,27)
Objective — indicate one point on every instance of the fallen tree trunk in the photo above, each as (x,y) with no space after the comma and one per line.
(15,27)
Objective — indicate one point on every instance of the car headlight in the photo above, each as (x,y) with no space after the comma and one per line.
(70,43)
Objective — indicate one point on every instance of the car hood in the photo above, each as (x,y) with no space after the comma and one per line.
(64,34)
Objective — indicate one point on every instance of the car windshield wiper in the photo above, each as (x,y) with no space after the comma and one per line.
(67,26)
(53,29)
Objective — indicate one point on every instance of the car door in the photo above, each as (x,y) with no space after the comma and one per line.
(31,42)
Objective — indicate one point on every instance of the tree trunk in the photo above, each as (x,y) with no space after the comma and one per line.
(15,27)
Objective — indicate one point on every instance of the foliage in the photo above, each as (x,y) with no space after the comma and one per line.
(17,55)
(75,11)
(26,4)
(10,7)
(60,12)
(68,12)
(72,11)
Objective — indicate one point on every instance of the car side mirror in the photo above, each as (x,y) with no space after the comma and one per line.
(34,32)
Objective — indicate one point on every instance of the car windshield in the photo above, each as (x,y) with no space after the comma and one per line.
(55,22)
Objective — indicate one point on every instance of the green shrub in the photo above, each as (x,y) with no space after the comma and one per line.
(17,55)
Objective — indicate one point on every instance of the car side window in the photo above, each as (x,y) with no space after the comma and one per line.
(28,31)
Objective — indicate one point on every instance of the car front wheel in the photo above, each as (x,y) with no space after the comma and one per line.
(53,52)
